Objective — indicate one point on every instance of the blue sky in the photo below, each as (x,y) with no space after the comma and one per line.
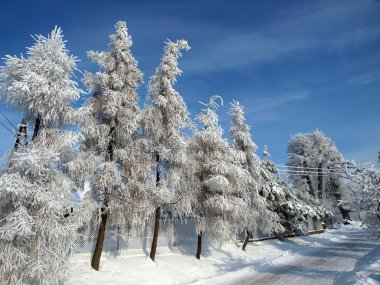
(295,65)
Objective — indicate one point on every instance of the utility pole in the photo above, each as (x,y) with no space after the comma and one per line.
(266,154)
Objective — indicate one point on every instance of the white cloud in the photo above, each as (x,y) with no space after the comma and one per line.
(275,101)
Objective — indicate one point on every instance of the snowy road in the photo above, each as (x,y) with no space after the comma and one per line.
(335,262)
(339,257)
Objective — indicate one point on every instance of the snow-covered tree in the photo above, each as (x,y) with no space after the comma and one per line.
(36,232)
(292,208)
(258,216)
(35,236)
(312,160)
(41,85)
(112,156)
(222,182)
(163,123)
(365,186)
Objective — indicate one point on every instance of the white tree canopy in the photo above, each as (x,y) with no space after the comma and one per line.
(164,122)
(222,182)
(308,154)
(366,194)
(41,84)
(37,231)
(258,215)
(113,155)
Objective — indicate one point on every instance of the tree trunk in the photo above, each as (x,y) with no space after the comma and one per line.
(345,213)
(158,214)
(199,246)
(155,234)
(110,148)
(249,234)
(26,138)
(37,127)
(308,181)
(320,182)
(99,242)
(104,215)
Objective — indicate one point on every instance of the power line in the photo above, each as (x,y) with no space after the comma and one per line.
(300,174)
(1,123)
(324,170)
(302,167)
(1,112)
(304,173)
(310,173)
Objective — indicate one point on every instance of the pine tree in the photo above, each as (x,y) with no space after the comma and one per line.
(292,208)
(222,182)
(35,238)
(112,153)
(163,122)
(40,86)
(258,216)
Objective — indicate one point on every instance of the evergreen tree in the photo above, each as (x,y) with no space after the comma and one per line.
(112,152)
(291,206)
(258,216)
(222,183)
(164,119)
(35,238)
(40,86)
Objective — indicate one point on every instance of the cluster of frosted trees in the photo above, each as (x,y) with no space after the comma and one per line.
(318,169)
(139,164)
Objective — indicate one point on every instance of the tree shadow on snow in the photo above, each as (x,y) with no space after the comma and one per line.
(348,277)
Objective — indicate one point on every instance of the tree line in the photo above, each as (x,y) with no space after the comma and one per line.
(139,163)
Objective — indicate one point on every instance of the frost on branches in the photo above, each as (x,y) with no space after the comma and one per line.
(37,232)
(222,183)
(163,123)
(292,208)
(113,157)
(41,85)
(313,160)
(366,194)
(257,216)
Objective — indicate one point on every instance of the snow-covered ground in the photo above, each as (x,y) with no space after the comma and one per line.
(343,256)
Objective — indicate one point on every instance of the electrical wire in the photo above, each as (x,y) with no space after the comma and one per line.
(311,168)
(1,112)
(303,174)
(1,123)
(310,172)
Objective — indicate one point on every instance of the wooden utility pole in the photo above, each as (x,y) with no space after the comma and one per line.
(320,182)
(21,132)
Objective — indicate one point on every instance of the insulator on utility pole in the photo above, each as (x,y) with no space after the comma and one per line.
(266,154)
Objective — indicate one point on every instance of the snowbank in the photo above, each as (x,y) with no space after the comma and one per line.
(218,266)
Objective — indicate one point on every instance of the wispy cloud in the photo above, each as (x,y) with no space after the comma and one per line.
(271,102)
(324,26)
(363,79)
(272,108)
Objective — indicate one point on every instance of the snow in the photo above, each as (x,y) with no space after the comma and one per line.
(343,256)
